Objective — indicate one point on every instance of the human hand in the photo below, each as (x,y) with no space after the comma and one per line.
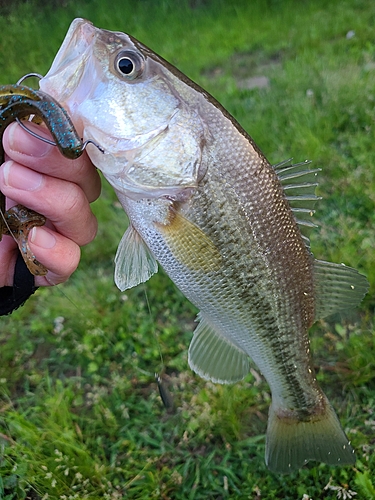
(37,176)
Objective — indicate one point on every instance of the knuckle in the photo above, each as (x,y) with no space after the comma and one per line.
(73,200)
(91,230)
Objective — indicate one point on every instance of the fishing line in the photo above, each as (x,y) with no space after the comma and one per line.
(90,323)
(153,329)
(56,287)
(11,233)
(164,392)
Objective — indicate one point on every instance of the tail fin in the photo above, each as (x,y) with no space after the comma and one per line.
(291,442)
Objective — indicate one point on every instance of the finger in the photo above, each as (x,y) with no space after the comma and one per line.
(62,202)
(58,254)
(27,150)
(8,257)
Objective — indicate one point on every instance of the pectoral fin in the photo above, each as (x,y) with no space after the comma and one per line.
(134,263)
(215,358)
(189,244)
(337,288)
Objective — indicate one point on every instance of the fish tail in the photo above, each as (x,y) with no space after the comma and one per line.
(292,441)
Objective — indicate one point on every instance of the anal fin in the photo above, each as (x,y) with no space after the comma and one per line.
(134,263)
(215,358)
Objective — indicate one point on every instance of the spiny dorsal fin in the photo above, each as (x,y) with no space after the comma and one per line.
(134,263)
(337,288)
(215,358)
(299,183)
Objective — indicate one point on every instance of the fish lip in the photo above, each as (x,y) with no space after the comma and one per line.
(95,134)
(128,186)
(78,39)
(119,145)
(76,46)
(122,181)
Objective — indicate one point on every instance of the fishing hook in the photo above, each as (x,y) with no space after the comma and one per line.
(52,143)
(29,75)
(37,136)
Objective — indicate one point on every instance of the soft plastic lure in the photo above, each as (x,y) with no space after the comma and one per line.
(17,102)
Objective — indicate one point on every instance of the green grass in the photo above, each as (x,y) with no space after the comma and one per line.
(80,413)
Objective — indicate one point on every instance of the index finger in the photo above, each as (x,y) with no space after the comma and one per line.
(30,151)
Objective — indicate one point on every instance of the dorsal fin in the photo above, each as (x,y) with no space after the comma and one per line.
(299,183)
(337,288)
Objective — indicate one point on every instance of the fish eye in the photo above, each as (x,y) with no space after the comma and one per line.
(129,64)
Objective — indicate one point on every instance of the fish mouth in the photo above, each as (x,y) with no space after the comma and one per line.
(79,38)
(77,41)
(75,52)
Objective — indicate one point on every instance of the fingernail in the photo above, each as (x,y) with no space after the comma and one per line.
(22,142)
(41,237)
(21,178)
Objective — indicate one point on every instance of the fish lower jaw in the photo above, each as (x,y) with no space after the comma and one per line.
(128,188)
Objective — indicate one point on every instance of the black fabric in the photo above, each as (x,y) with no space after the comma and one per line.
(12,297)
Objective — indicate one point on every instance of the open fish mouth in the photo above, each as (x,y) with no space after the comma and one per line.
(76,51)
(76,45)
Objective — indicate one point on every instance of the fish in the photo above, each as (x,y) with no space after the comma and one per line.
(230,229)
(16,102)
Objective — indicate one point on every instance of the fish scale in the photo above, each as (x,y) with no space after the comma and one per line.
(229,229)
(231,271)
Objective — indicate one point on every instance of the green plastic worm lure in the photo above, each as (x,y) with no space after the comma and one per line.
(16,102)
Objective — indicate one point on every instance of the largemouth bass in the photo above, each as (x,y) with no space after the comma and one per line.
(18,101)
(205,203)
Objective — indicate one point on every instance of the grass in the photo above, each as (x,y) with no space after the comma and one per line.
(80,412)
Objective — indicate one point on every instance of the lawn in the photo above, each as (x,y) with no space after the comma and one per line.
(80,411)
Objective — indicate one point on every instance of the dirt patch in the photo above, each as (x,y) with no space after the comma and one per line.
(254,82)
(249,69)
